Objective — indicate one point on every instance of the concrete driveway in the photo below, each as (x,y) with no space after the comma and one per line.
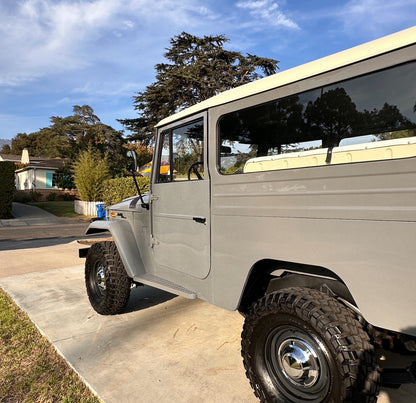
(164,348)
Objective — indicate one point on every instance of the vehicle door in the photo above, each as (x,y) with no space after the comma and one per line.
(181,199)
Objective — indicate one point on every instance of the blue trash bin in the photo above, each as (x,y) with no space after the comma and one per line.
(100,211)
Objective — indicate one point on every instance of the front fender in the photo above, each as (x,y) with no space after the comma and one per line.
(125,241)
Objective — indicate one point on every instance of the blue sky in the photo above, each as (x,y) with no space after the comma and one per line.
(58,53)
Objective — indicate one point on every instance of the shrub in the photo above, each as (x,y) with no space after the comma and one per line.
(22,198)
(90,172)
(35,196)
(118,189)
(69,196)
(7,169)
(51,196)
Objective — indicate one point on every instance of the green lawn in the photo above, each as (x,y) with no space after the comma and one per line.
(30,368)
(59,208)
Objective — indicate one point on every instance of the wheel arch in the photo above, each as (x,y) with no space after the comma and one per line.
(125,242)
(269,275)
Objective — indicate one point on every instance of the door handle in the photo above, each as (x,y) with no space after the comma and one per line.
(201,220)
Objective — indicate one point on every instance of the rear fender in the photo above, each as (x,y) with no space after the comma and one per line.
(126,244)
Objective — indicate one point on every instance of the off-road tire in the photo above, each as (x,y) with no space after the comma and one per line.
(106,280)
(348,371)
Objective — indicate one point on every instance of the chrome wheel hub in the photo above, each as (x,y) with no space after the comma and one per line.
(100,278)
(299,362)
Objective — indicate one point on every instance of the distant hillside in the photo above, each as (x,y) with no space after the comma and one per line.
(4,142)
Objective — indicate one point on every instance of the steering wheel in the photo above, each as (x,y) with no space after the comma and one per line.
(193,168)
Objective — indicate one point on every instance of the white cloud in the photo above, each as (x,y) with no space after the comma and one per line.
(104,89)
(371,17)
(267,12)
(38,37)
(128,24)
(42,37)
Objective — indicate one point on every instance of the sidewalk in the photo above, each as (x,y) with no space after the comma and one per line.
(25,214)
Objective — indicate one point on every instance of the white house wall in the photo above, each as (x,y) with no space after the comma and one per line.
(23,182)
(33,179)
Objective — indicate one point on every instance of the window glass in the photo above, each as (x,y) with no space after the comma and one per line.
(54,180)
(164,172)
(181,155)
(367,118)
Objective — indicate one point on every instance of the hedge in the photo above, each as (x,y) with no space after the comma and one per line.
(7,169)
(118,189)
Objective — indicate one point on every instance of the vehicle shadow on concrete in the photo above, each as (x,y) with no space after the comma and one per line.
(144,297)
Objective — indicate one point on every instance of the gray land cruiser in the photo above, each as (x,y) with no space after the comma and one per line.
(292,200)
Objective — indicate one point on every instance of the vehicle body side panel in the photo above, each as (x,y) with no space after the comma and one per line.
(346,224)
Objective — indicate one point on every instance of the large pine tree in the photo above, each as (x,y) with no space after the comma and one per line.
(197,69)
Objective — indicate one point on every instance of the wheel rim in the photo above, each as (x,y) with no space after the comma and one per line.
(97,281)
(297,362)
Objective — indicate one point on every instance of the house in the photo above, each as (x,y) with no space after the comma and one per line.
(35,173)
(8,157)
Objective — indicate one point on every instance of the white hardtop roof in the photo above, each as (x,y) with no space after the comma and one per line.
(337,60)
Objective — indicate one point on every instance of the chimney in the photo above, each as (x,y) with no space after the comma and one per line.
(25,156)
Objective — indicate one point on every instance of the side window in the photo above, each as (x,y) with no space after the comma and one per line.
(164,172)
(368,118)
(181,153)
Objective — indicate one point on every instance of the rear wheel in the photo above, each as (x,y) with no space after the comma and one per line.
(106,280)
(301,345)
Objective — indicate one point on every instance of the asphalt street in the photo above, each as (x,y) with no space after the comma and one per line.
(33,227)
(34,236)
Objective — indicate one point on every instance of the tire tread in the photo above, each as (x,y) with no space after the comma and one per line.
(339,327)
(118,284)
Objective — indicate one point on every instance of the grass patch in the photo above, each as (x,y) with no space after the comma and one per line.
(30,368)
(59,208)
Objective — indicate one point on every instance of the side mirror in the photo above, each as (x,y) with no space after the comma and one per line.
(131,161)
(225,150)
(132,168)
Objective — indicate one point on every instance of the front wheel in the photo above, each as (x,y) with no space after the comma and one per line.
(301,345)
(106,280)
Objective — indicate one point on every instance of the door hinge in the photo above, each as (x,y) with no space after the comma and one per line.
(153,241)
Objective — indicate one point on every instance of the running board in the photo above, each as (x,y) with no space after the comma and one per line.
(166,285)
